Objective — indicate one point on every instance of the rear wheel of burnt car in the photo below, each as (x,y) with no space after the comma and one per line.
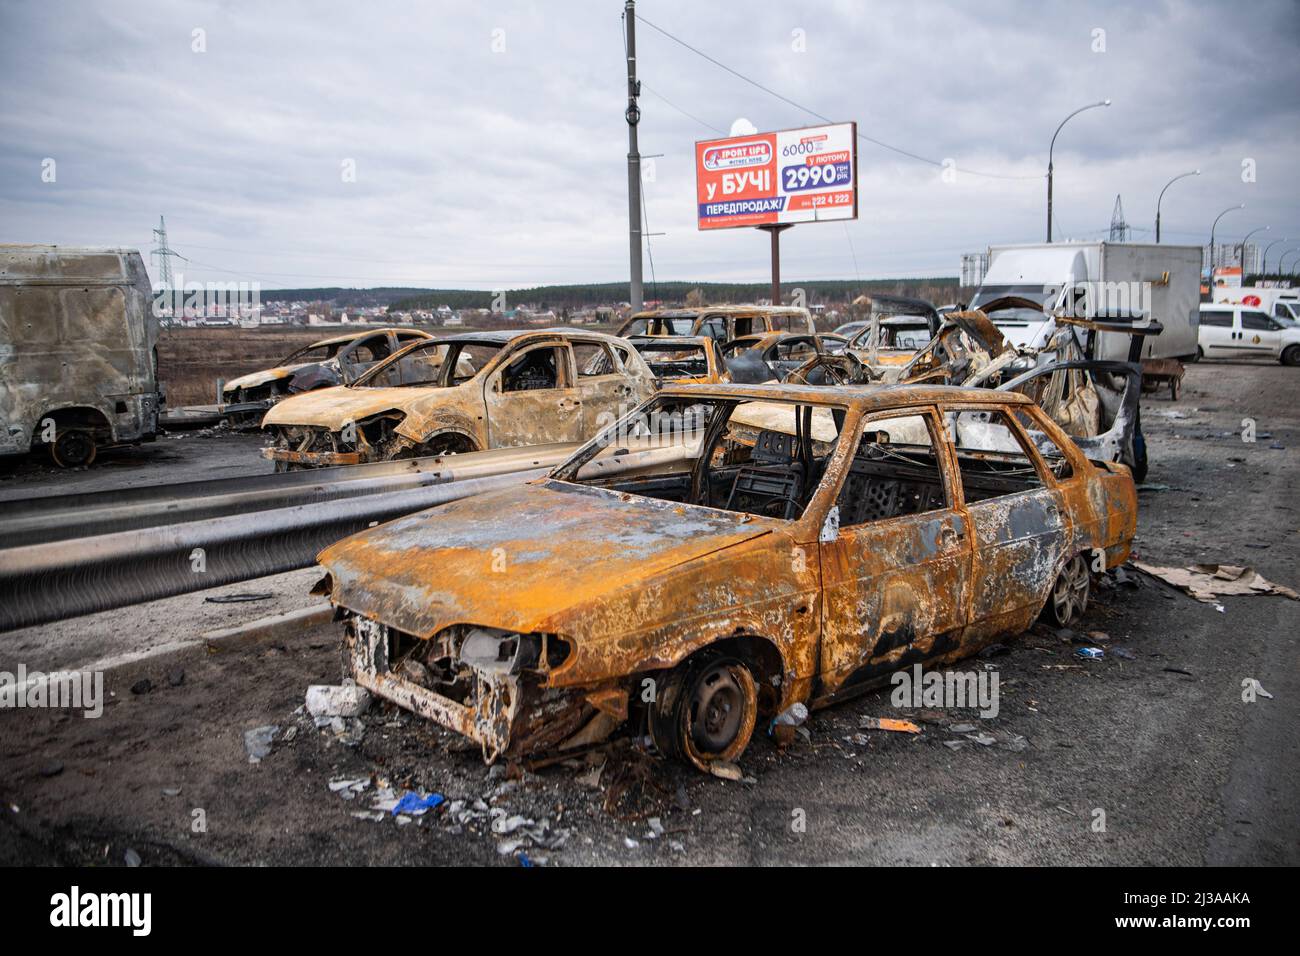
(706,711)
(1069,597)
(73,448)
(1291,355)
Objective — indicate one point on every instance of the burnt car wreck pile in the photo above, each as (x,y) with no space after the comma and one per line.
(762,519)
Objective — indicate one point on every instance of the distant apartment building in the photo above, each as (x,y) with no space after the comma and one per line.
(1227,254)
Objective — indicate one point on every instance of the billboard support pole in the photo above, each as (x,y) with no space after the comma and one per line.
(775,231)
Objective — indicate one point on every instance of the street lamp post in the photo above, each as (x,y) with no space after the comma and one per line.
(1241,250)
(1263,264)
(1282,258)
(1194,172)
(1051,149)
(1210,283)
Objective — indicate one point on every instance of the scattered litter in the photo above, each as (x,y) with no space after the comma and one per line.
(954,744)
(1016,743)
(962,728)
(337,700)
(591,778)
(676,846)
(258,742)
(504,825)
(171,791)
(1124,654)
(415,805)
(630,843)
(727,771)
(290,734)
(657,827)
(984,740)
(1205,582)
(240,598)
(375,816)
(889,723)
(789,724)
(131,858)
(348,789)
(1259,689)
(1089,653)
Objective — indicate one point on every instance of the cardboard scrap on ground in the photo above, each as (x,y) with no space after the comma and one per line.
(1207,582)
(889,723)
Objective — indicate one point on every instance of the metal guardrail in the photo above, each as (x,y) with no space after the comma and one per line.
(62,517)
(69,555)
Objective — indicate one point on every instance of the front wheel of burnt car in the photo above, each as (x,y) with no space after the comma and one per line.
(706,711)
(1069,597)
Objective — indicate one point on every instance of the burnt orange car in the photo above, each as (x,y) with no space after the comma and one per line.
(724,552)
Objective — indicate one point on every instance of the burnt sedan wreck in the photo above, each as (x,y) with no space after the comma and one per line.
(724,552)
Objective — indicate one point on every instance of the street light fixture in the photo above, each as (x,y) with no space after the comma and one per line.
(1241,250)
(1263,264)
(1210,284)
(1194,172)
(1282,258)
(1051,149)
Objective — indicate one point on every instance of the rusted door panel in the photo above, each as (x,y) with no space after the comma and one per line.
(1020,542)
(538,415)
(605,399)
(895,591)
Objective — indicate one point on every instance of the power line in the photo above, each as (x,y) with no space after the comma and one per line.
(811,112)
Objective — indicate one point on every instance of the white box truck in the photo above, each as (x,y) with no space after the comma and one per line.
(1096,280)
(1281,302)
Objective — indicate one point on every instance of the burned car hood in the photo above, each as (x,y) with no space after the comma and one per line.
(254,379)
(524,558)
(332,408)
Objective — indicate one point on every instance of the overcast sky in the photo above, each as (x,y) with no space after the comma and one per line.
(489,144)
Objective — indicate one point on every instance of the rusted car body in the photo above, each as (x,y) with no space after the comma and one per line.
(890,341)
(340,360)
(78,351)
(680,359)
(755,359)
(465,392)
(722,323)
(722,553)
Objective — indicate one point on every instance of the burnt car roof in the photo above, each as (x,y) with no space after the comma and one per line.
(867,397)
(502,336)
(352,336)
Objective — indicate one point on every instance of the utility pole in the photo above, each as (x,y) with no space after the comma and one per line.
(633,116)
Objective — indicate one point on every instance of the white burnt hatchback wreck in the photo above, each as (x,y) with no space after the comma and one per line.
(726,551)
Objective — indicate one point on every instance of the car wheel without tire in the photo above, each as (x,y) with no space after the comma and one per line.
(74,448)
(1291,355)
(706,711)
(1069,597)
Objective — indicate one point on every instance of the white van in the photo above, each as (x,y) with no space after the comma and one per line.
(1281,303)
(1230,330)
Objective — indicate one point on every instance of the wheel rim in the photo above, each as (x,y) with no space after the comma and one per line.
(1070,593)
(719,717)
(73,449)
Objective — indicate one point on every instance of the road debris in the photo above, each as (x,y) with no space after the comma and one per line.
(1089,653)
(1205,582)
(258,742)
(337,700)
(415,805)
(889,723)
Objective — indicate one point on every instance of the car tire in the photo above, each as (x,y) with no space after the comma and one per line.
(706,711)
(1291,355)
(1069,597)
(73,448)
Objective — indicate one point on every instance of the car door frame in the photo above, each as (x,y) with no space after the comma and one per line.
(621,397)
(890,586)
(1228,333)
(532,405)
(1018,587)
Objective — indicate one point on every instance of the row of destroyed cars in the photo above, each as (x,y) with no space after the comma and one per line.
(759,516)
(401,393)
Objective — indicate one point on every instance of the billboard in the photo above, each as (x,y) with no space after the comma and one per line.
(793,175)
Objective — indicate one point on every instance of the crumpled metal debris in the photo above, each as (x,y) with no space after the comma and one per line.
(1205,582)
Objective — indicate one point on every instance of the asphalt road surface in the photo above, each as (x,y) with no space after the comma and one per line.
(1149,756)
